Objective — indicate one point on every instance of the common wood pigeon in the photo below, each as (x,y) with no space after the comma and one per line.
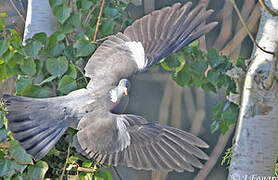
(104,132)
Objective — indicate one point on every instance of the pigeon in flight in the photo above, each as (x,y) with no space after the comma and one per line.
(104,132)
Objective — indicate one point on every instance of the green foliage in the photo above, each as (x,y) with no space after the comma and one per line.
(51,66)
(227,157)
(192,67)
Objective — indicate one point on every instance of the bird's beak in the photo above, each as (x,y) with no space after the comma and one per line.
(126,91)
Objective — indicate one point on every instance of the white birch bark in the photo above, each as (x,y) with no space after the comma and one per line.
(39,19)
(256,138)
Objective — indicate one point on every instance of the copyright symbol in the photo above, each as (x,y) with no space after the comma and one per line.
(234,177)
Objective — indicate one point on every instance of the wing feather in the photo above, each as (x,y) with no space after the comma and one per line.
(150,147)
(160,33)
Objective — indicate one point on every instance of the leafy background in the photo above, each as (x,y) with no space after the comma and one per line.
(53,66)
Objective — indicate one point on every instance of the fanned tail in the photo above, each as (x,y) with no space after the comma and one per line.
(33,124)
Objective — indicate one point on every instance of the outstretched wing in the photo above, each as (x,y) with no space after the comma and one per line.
(132,141)
(145,42)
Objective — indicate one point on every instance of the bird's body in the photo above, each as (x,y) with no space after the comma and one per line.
(104,132)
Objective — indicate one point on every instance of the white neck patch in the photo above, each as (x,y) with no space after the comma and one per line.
(138,54)
(113,95)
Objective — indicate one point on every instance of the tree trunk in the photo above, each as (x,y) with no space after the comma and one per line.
(255,142)
(39,19)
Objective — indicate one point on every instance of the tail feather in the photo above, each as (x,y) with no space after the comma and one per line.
(37,124)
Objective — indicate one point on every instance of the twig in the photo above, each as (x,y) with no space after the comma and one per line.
(222,141)
(117,172)
(241,34)
(18,12)
(89,15)
(98,20)
(80,70)
(101,39)
(247,29)
(64,169)
(16,27)
(88,170)
(22,7)
(4,145)
(262,3)
(246,9)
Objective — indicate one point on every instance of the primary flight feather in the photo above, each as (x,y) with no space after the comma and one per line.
(104,132)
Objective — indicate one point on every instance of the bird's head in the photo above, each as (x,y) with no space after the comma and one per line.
(119,91)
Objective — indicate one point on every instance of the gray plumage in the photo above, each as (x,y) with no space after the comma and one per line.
(104,133)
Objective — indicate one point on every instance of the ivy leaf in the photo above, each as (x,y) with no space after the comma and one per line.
(213,76)
(36,91)
(72,159)
(107,27)
(240,62)
(7,55)
(1,118)
(19,154)
(111,12)
(70,52)
(62,12)
(213,58)
(84,47)
(199,67)
(87,164)
(57,67)
(182,77)
(86,176)
(214,126)
(21,83)
(72,71)
(230,113)
(59,35)
(4,44)
(32,48)
(6,167)
(41,37)
(54,3)
(9,167)
(217,110)
(3,71)
(47,80)
(103,175)
(85,4)
(2,15)
(16,59)
(54,48)
(67,84)
(3,134)
(171,63)
(208,87)
(224,127)
(38,170)
(28,67)
(75,20)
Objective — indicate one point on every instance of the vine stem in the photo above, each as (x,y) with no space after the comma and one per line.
(262,3)
(117,172)
(247,29)
(20,15)
(98,20)
(64,169)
